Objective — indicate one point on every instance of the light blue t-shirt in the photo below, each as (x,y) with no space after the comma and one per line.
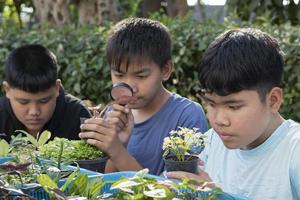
(145,143)
(269,171)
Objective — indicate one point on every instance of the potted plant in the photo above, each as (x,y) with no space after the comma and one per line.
(181,149)
(75,151)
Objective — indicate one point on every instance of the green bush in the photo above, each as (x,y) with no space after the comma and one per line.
(85,72)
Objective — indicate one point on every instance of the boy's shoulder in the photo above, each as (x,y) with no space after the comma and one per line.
(3,102)
(293,131)
(5,108)
(69,99)
(189,113)
(69,102)
(178,99)
(185,106)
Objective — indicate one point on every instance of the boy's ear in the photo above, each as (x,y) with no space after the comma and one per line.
(167,70)
(275,98)
(5,88)
(57,86)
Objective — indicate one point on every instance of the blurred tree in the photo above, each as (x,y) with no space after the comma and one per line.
(177,8)
(89,11)
(52,12)
(275,11)
(10,10)
(61,12)
(170,7)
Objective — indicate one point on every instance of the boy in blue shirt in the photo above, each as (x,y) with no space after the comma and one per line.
(139,54)
(252,150)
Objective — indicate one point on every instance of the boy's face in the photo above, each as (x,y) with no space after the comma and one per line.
(33,110)
(145,79)
(241,119)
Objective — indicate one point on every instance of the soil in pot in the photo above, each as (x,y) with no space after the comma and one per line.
(97,165)
(190,165)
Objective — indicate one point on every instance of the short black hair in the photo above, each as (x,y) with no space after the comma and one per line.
(31,68)
(138,39)
(241,59)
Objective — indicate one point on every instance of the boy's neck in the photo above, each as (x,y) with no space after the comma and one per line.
(142,114)
(275,123)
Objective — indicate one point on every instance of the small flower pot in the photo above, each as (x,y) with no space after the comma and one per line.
(189,165)
(97,165)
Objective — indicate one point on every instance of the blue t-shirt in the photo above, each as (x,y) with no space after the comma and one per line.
(145,143)
(269,171)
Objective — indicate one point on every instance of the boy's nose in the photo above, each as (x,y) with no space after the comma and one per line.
(34,110)
(134,89)
(133,85)
(221,118)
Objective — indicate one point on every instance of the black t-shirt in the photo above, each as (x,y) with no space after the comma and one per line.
(65,121)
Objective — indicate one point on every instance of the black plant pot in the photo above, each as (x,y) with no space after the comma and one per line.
(97,165)
(190,165)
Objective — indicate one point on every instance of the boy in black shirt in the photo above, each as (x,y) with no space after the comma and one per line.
(34,98)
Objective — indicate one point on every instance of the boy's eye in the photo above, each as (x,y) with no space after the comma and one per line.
(235,107)
(210,104)
(44,100)
(23,102)
(142,76)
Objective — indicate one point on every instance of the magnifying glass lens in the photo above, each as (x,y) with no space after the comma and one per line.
(121,90)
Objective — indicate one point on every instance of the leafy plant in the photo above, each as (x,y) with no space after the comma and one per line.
(191,189)
(74,150)
(143,186)
(140,186)
(183,142)
(75,184)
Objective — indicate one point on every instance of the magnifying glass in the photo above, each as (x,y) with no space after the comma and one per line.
(122,93)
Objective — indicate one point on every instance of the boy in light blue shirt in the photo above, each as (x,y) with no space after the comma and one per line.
(252,150)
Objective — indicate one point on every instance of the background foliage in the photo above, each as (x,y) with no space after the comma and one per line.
(260,11)
(85,73)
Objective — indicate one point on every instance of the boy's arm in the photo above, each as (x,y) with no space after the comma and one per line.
(126,163)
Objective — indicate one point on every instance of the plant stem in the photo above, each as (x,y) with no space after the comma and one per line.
(61,149)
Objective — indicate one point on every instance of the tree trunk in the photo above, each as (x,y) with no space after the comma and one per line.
(177,8)
(108,10)
(52,12)
(87,11)
(149,6)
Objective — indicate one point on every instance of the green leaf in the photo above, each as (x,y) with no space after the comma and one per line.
(4,148)
(69,180)
(30,138)
(44,137)
(95,187)
(79,185)
(46,181)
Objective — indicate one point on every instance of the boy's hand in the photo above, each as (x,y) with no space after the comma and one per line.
(125,122)
(109,134)
(201,175)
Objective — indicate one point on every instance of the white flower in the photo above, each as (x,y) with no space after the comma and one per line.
(184,141)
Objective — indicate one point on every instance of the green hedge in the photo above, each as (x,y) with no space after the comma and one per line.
(85,73)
